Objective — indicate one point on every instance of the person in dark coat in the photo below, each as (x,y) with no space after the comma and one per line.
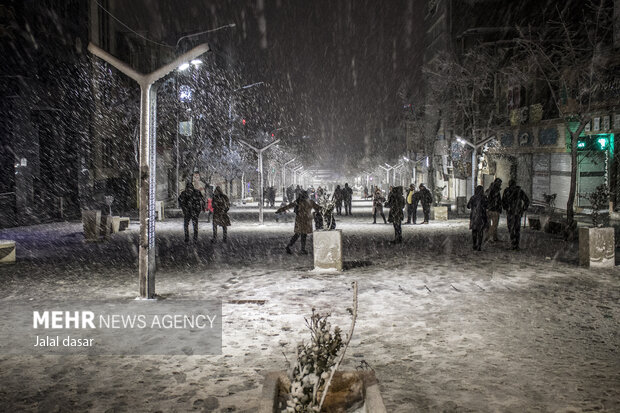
(338,198)
(191,202)
(515,202)
(377,206)
(396,203)
(365,192)
(303,207)
(426,198)
(412,204)
(272,196)
(221,204)
(478,205)
(495,208)
(347,195)
(290,193)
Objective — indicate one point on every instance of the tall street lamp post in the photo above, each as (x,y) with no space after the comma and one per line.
(146,257)
(474,156)
(387,171)
(295,171)
(260,151)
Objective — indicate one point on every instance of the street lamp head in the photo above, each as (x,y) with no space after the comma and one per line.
(196,62)
(184,66)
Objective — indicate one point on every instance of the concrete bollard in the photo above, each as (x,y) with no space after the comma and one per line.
(327,250)
(439,213)
(597,247)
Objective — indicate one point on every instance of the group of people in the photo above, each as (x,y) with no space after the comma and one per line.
(343,195)
(193,202)
(412,199)
(486,208)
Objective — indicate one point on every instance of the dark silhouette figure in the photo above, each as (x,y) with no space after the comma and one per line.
(412,204)
(426,198)
(191,202)
(221,204)
(348,198)
(377,206)
(515,203)
(303,207)
(338,198)
(478,221)
(396,203)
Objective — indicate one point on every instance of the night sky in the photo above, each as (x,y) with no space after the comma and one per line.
(340,71)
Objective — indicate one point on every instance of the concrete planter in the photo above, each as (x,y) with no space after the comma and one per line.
(597,247)
(116,224)
(327,250)
(439,213)
(91,220)
(7,251)
(159,210)
(349,391)
(106,225)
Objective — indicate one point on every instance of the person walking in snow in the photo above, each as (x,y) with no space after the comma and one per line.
(221,204)
(426,198)
(191,202)
(478,205)
(396,203)
(377,206)
(515,202)
(412,204)
(290,193)
(272,197)
(494,210)
(303,207)
(347,195)
(338,198)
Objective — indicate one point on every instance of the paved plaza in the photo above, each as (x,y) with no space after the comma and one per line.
(446,329)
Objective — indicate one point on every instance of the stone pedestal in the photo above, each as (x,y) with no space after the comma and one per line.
(91,220)
(7,251)
(106,225)
(159,210)
(439,213)
(597,247)
(116,224)
(327,250)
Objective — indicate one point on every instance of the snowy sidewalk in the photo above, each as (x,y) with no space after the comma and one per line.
(445,329)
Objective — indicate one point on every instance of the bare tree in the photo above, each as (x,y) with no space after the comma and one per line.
(572,56)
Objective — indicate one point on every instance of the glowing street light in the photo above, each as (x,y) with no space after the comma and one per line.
(146,254)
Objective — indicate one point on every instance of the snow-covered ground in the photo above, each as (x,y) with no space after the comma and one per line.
(445,328)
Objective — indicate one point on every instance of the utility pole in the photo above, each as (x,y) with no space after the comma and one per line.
(146,257)
(260,151)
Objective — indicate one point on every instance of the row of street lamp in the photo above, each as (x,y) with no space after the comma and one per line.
(474,162)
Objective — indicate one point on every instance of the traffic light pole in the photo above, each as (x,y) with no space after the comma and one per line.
(260,151)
